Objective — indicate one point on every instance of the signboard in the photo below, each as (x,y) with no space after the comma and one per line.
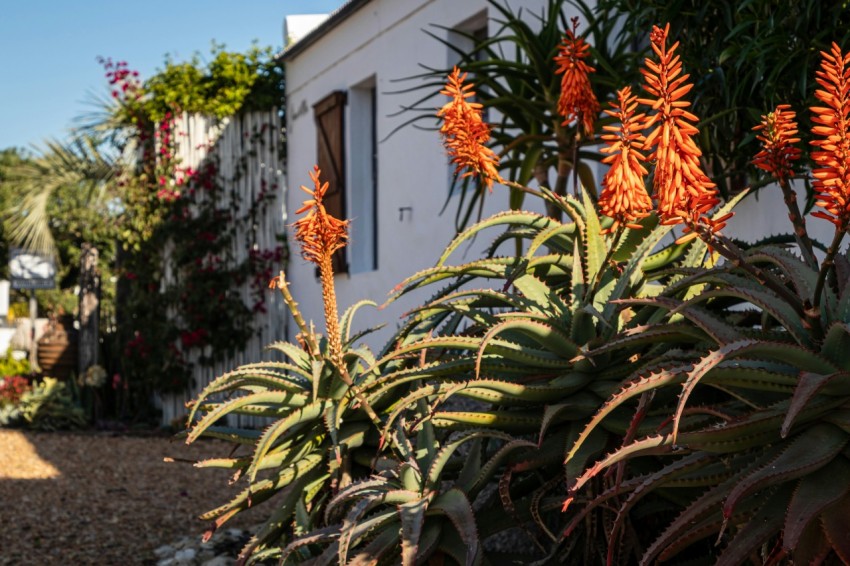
(31,271)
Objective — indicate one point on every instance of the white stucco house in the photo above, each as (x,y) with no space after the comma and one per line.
(342,105)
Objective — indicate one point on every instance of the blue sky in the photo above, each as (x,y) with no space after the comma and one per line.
(49,49)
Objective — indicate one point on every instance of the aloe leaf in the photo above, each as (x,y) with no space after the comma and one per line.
(434,476)
(412,520)
(704,506)
(814,493)
(279,520)
(802,277)
(347,317)
(264,489)
(283,399)
(809,451)
(512,217)
(300,357)
(554,232)
(378,547)
(632,272)
(769,303)
(756,531)
(454,505)
(595,249)
(720,331)
(809,386)
(274,431)
(515,421)
(544,334)
(474,486)
(653,445)
(540,293)
(836,344)
(663,377)
(837,528)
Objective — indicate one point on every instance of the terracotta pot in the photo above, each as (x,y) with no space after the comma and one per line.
(57,349)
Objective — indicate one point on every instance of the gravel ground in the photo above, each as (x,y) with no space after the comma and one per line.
(99,498)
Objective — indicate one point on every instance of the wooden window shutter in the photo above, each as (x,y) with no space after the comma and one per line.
(329,114)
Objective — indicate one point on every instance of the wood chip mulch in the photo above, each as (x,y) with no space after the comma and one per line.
(101,498)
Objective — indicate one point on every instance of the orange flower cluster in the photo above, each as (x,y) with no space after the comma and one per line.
(319,233)
(683,190)
(465,134)
(776,134)
(577,101)
(832,157)
(624,197)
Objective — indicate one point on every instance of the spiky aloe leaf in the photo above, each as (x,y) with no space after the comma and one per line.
(454,505)
(653,445)
(663,377)
(435,471)
(595,248)
(764,524)
(836,344)
(412,521)
(809,451)
(837,528)
(284,399)
(263,489)
(517,218)
(515,421)
(815,492)
(784,352)
(546,335)
(767,302)
(703,508)
(809,385)
(272,433)
(720,331)
(633,270)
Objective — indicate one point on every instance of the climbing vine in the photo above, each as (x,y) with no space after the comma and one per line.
(183,264)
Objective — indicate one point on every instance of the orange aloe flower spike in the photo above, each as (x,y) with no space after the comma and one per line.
(319,233)
(832,138)
(777,132)
(624,197)
(577,100)
(684,192)
(465,134)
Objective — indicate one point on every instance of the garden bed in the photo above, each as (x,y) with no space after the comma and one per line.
(100,498)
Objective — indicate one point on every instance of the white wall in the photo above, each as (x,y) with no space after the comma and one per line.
(384,39)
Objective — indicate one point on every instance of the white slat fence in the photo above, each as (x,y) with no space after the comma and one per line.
(251,141)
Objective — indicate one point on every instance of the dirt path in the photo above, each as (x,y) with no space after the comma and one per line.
(93,498)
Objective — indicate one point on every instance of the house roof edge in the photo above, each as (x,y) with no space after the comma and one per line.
(336,18)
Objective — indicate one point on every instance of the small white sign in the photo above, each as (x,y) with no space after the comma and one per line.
(31,271)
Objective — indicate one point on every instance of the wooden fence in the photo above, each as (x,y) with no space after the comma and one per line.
(247,151)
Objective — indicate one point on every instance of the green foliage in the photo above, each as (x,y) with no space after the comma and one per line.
(229,83)
(744,59)
(9,366)
(48,406)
